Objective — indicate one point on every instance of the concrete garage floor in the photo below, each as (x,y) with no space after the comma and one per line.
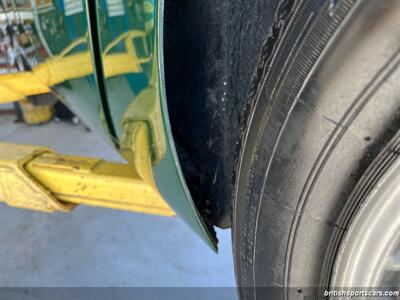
(98,247)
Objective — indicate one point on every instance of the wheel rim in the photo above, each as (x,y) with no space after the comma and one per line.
(369,255)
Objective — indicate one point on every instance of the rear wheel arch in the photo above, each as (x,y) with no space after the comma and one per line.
(211,50)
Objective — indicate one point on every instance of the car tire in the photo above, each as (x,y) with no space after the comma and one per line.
(323,106)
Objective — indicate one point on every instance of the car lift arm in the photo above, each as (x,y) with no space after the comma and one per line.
(36,178)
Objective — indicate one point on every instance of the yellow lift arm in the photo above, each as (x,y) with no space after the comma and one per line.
(36,178)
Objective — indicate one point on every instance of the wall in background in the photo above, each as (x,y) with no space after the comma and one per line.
(6,106)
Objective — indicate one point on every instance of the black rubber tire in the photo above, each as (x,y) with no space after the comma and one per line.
(324,102)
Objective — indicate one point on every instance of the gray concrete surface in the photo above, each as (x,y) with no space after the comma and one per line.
(97,247)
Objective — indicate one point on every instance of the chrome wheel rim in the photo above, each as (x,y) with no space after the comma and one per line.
(369,255)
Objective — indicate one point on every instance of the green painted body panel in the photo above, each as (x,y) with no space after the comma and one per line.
(58,26)
(118,34)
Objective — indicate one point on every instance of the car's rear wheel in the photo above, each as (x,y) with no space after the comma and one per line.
(323,110)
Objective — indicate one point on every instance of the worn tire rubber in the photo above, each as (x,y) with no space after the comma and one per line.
(324,102)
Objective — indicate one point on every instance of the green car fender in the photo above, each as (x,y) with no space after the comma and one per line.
(121,79)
